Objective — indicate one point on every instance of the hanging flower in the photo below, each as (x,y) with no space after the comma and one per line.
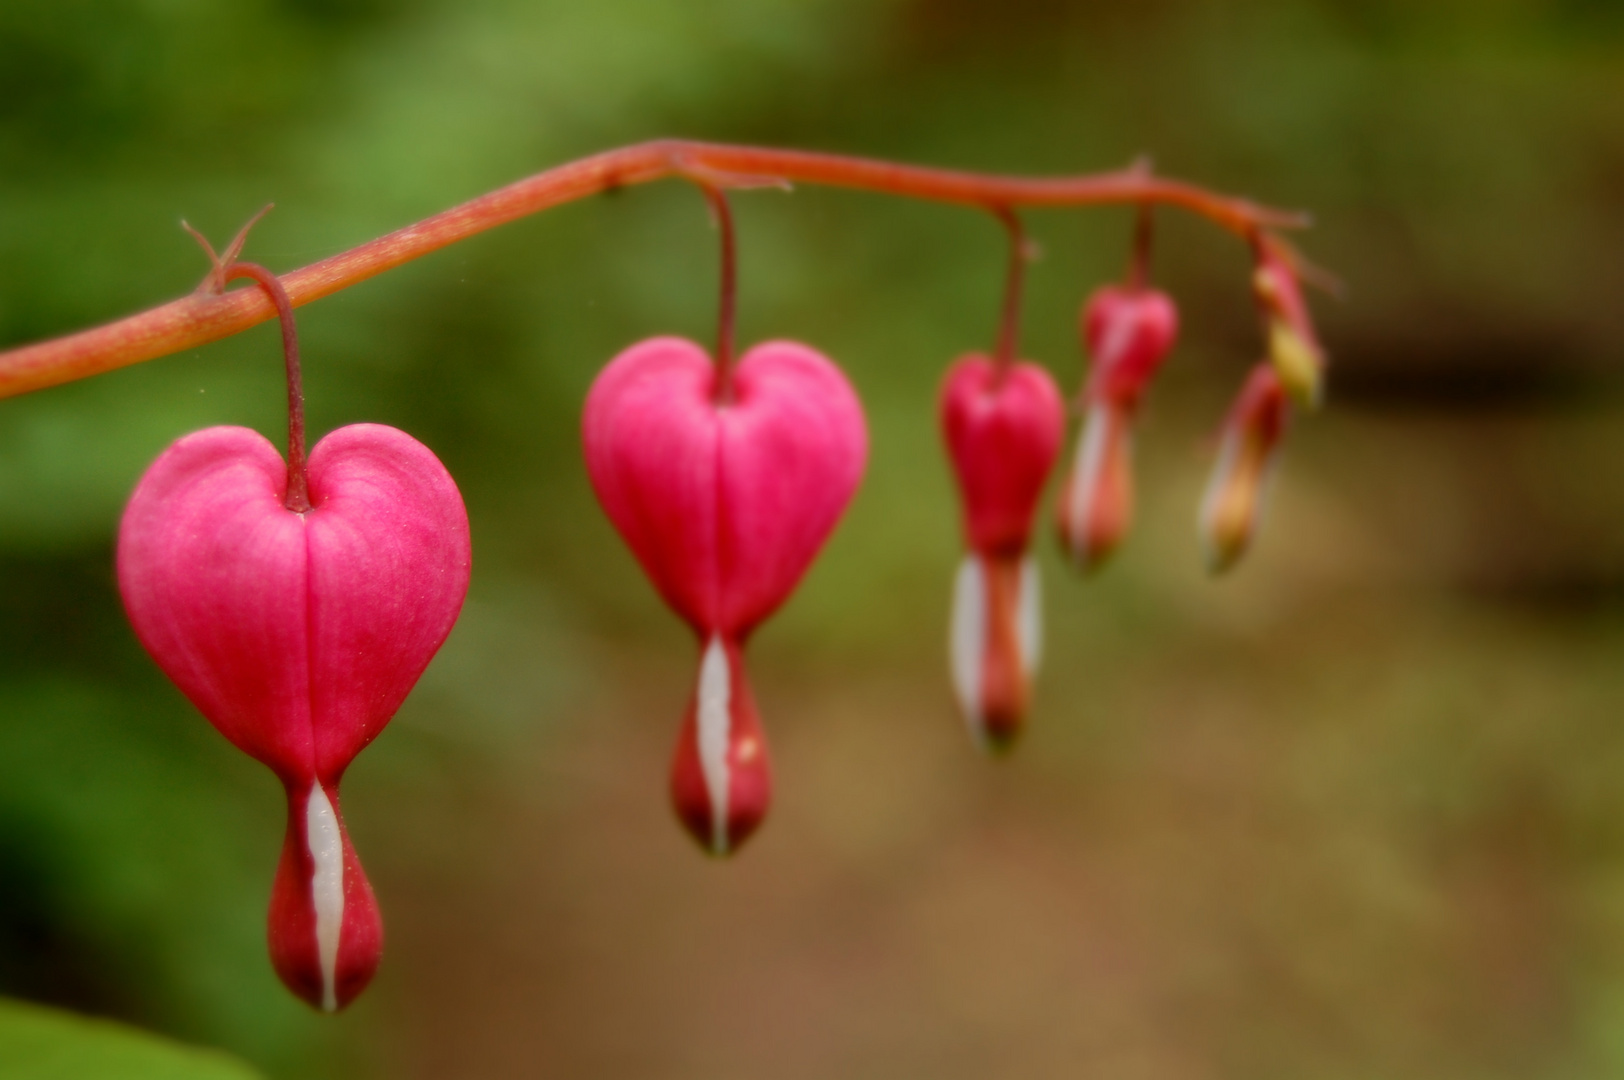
(725,499)
(1003,426)
(1128,331)
(298,634)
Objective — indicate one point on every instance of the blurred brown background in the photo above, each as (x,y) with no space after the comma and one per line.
(1357,811)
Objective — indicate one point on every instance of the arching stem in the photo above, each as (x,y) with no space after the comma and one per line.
(203,317)
(1009,324)
(298,496)
(727,310)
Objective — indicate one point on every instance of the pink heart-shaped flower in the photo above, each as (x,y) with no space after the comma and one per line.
(298,635)
(1003,429)
(725,504)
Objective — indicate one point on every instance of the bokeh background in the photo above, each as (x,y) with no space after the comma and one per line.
(1356,811)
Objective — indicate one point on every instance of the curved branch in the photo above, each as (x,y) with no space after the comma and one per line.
(200,318)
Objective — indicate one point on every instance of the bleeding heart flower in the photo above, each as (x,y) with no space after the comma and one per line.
(1233,504)
(725,503)
(298,635)
(1003,428)
(1128,332)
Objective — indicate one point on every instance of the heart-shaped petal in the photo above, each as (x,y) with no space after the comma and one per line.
(1128,332)
(724,504)
(296,635)
(1003,432)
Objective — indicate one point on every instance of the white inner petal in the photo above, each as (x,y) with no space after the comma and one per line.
(326,888)
(1029,617)
(1088,471)
(715,724)
(967,640)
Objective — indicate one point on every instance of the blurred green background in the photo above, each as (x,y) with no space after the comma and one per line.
(1356,812)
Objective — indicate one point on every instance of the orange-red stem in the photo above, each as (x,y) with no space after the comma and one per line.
(1005,350)
(727,310)
(298,493)
(200,318)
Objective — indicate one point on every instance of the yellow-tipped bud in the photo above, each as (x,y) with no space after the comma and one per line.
(1232,506)
(1293,348)
(1298,363)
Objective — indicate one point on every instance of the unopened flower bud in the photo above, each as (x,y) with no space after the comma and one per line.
(1128,332)
(1293,347)
(1233,504)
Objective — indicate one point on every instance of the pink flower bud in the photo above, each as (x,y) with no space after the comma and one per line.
(1233,504)
(725,506)
(1294,349)
(1128,332)
(1003,431)
(298,635)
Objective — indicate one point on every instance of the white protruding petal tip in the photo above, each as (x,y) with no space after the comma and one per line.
(1029,616)
(326,843)
(715,731)
(967,639)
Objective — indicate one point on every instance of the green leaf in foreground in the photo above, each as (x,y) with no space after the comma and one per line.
(47,1044)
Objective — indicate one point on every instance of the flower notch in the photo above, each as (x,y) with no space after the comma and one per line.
(296,603)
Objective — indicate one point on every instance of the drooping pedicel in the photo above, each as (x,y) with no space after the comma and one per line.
(725,498)
(1003,426)
(298,635)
